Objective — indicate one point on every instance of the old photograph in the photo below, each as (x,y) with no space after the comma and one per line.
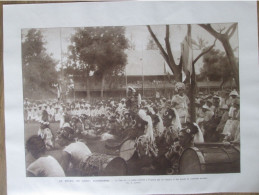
(131,100)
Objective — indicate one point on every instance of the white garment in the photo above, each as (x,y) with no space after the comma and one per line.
(47,136)
(57,117)
(139,100)
(62,121)
(181,105)
(46,167)
(149,130)
(160,126)
(78,151)
(198,137)
(176,122)
(30,115)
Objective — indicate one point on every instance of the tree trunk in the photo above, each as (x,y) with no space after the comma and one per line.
(224,39)
(193,95)
(102,85)
(168,55)
(88,89)
(178,75)
(232,61)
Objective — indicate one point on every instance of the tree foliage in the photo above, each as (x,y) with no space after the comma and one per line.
(224,38)
(215,66)
(98,49)
(39,71)
(168,55)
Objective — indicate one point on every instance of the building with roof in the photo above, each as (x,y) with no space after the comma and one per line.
(216,85)
(146,71)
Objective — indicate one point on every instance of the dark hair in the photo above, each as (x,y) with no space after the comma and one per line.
(45,115)
(67,118)
(44,126)
(35,145)
(155,109)
(140,123)
(168,116)
(192,128)
(170,112)
(155,119)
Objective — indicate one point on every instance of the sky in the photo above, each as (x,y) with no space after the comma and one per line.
(58,39)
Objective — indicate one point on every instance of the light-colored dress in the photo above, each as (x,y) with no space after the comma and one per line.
(47,136)
(232,128)
(181,105)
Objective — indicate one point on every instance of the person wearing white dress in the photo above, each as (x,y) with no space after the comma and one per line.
(232,127)
(181,102)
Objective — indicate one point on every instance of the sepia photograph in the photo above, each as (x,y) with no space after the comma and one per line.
(131,100)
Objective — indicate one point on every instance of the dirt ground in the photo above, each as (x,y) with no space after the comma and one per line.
(96,146)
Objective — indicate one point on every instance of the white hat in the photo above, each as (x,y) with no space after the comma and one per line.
(234,92)
(216,97)
(179,85)
(197,101)
(205,107)
(225,107)
(132,89)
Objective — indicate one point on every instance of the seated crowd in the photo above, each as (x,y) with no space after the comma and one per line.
(160,128)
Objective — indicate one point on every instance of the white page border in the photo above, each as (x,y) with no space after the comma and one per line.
(17,17)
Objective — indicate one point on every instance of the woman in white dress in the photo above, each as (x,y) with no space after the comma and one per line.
(232,127)
(181,102)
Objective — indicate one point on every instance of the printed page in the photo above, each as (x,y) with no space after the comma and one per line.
(131,97)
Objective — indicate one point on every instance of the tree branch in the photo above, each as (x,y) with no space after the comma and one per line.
(168,48)
(181,62)
(204,52)
(233,28)
(164,54)
(209,28)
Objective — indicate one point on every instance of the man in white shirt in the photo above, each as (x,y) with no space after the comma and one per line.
(76,154)
(44,165)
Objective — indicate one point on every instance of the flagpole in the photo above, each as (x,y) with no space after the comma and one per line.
(164,79)
(74,89)
(142,70)
(193,83)
(62,68)
(126,81)
(142,77)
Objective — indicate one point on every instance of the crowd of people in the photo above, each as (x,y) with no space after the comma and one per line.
(160,128)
